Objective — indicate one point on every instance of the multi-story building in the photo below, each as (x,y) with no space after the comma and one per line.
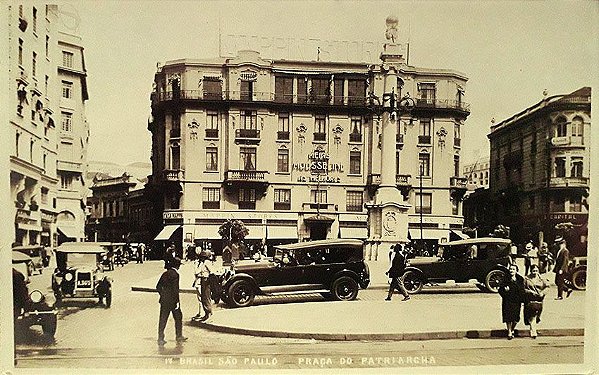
(32,111)
(540,169)
(292,149)
(73,136)
(477,173)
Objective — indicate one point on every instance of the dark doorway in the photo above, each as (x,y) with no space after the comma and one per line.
(318,231)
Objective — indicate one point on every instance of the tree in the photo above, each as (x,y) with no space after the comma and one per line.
(233,231)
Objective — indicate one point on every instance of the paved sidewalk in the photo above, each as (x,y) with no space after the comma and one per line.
(471,316)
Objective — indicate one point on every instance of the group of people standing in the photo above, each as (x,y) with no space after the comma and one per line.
(530,290)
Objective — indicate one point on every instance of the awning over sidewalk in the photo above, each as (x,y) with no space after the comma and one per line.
(68,232)
(166,232)
(30,227)
(455,235)
(280,232)
(359,233)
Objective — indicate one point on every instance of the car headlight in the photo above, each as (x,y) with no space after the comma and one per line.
(36,296)
(68,277)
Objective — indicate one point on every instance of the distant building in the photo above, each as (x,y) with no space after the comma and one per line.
(477,174)
(540,169)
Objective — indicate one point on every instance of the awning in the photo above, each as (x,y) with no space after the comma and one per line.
(359,233)
(255,232)
(206,231)
(427,233)
(68,232)
(455,235)
(318,219)
(280,232)
(30,227)
(166,232)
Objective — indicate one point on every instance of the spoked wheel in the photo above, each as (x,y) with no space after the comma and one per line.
(344,289)
(241,294)
(412,282)
(493,280)
(579,279)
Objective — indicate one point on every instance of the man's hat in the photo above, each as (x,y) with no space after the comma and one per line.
(559,239)
(174,262)
(529,245)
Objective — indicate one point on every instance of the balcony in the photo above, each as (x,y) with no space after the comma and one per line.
(443,104)
(211,133)
(424,139)
(173,175)
(568,182)
(320,137)
(247,136)
(458,182)
(403,180)
(355,137)
(322,206)
(70,166)
(373,180)
(283,135)
(243,178)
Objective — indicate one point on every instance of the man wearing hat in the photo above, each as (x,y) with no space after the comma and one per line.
(561,267)
(168,288)
(398,265)
(204,268)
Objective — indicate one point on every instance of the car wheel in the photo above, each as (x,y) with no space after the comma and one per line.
(241,294)
(49,326)
(344,289)
(579,279)
(493,280)
(412,281)
(108,297)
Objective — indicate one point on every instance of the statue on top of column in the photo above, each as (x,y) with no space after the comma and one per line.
(391,33)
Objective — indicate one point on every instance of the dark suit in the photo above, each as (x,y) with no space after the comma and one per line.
(560,269)
(168,288)
(398,265)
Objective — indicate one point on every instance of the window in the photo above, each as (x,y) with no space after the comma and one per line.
(302,89)
(47,45)
(211,159)
(338,91)
(45,195)
(67,59)
(424,160)
(249,120)
(34,23)
(248,158)
(576,204)
(397,160)
(424,136)
(424,203)
(318,196)
(247,199)
(247,90)
(283,89)
(558,204)
(560,167)
(67,122)
(175,156)
(456,135)
(355,162)
(283,132)
(31,144)
(17,136)
(356,130)
(212,88)
(356,91)
(65,181)
(456,166)
(211,124)
(577,127)
(320,91)
(427,93)
(354,201)
(211,198)
(20,51)
(34,65)
(576,170)
(561,127)
(67,89)
(320,128)
(282,199)
(44,159)
(455,206)
(283,160)
(398,87)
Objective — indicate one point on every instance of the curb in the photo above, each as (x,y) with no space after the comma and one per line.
(193,291)
(414,336)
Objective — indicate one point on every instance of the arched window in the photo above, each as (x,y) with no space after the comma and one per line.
(561,127)
(577,126)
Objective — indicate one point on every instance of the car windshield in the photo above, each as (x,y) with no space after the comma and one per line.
(81,259)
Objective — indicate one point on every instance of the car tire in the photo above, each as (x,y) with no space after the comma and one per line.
(108,297)
(412,281)
(579,279)
(241,294)
(344,288)
(493,279)
(49,326)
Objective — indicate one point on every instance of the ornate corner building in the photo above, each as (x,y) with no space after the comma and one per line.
(540,169)
(296,151)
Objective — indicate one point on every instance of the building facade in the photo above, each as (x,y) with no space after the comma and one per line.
(73,134)
(295,151)
(477,173)
(540,170)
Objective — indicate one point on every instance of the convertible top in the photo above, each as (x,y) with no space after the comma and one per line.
(321,243)
(82,247)
(474,241)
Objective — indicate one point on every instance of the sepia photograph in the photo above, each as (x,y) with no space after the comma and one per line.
(298,187)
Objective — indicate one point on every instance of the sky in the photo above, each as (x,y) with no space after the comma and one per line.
(511,51)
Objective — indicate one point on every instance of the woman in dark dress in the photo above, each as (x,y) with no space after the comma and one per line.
(512,297)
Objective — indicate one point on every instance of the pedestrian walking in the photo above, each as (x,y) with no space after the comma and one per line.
(168,288)
(141,249)
(561,267)
(169,254)
(512,297)
(543,258)
(204,269)
(535,288)
(530,257)
(395,272)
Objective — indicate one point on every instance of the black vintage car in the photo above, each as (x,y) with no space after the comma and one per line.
(577,272)
(335,268)
(482,259)
(32,308)
(79,273)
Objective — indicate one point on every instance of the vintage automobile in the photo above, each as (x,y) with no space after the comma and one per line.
(37,253)
(335,268)
(32,308)
(79,273)
(482,259)
(22,263)
(577,272)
